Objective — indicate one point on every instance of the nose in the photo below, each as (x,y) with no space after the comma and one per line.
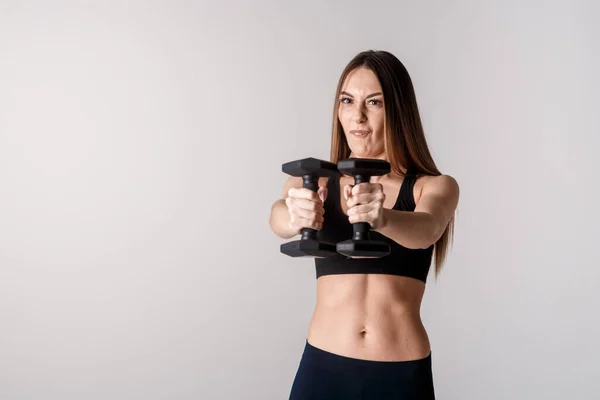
(358,115)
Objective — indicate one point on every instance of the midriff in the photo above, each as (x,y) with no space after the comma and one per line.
(370,317)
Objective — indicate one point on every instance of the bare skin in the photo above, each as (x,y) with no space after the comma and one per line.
(371,316)
(364,316)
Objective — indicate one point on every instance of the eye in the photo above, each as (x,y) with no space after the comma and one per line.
(374,102)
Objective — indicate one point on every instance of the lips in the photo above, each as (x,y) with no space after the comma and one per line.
(360,133)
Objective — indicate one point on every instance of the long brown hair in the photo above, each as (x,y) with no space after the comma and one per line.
(405,142)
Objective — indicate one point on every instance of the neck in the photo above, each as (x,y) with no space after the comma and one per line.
(380,156)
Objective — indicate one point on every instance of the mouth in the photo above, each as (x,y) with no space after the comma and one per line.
(359,133)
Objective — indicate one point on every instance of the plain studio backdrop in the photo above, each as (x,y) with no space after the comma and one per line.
(141,146)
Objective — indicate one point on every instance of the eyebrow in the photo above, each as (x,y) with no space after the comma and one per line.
(369,96)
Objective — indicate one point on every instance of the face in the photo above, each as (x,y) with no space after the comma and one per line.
(361,113)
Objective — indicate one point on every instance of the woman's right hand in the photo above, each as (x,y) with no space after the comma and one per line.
(306,208)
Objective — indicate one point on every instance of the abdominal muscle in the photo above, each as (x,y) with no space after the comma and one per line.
(370,317)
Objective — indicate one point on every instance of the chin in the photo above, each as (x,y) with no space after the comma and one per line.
(364,153)
(361,155)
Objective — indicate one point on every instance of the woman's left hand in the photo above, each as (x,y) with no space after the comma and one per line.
(365,203)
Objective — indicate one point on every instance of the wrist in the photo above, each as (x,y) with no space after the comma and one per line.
(385,218)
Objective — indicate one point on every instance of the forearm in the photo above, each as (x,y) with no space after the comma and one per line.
(280,220)
(412,230)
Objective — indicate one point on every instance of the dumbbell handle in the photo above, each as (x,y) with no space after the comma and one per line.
(361,229)
(309,181)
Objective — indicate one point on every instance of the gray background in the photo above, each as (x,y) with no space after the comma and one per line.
(141,146)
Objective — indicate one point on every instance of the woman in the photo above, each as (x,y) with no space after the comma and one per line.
(366,339)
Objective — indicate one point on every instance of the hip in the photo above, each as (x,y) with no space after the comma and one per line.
(324,375)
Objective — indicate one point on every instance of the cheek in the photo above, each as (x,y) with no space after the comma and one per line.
(343,117)
(378,122)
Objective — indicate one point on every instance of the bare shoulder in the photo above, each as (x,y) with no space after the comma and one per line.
(443,185)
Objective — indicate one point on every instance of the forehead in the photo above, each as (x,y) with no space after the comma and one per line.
(361,81)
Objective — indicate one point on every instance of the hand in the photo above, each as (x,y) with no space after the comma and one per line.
(365,203)
(306,208)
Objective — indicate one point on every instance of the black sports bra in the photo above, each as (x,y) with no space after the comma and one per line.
(336,228)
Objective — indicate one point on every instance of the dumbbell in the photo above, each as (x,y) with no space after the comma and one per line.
(361,245)
(310,169)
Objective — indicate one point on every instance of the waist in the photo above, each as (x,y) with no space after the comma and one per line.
(371,317)
(383,336)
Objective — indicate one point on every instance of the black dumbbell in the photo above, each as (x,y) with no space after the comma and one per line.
(310,169)
(361,245)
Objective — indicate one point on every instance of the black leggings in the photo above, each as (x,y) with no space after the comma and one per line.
(325,375)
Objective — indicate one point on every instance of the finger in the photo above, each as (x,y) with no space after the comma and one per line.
(362,217)
(322,192)
(360,188)
(347,191)
(367,187)
(360,209)
(309,223)
(309,205)
(303,193)
(309,214)
(357,218)
(312,215)
(362,198)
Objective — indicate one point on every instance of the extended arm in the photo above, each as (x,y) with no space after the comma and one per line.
(422,227)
